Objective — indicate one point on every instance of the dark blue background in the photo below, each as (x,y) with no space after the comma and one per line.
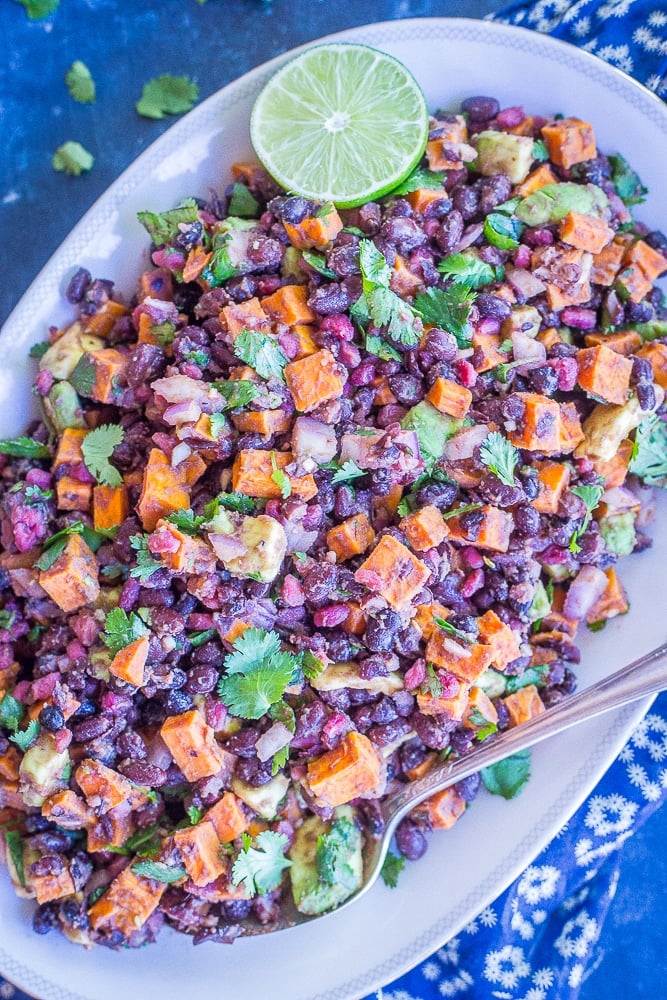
(125,43)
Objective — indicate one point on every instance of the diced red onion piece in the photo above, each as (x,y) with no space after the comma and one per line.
(588,585)
(527,347)
(273,740)
(463,444)
(226,547)
(525,282)
(182,413)
(314,439)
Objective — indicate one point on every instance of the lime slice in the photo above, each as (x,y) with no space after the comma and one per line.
(340,122)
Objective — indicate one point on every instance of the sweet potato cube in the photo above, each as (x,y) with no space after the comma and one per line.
(571,432)
(453,708)
(480,710)
(289,305)
(500,638)
(450,397)
(228,818)
(403,281)
(191,742)
(315,379)
(538,429)
(304,334)
(184,554)
(425,528)
(623,342)
(163,490)
(649,261)
(537,179)
(585,232)
(68,810)
(69,447)
(247,315)
(351,769)
(420,199)
(102,322)
(10,761)
(439,151)
(127,904)
(466,660)
(315,231)
(72,494)
(112,829)
(110,507)
(48,887)
(195,263)
(553,478)
(491,533)
(612,601)
(523,704)
(128,663)
(443,809)
(110,365)
(604,374)
(424,618)
(392,571)
(351,538)
(657,355)
(253,471)
(356,621)
(264,422)
(606,263)
(103,787)
(199,848)
(614,472)
(72,579)
(569,141)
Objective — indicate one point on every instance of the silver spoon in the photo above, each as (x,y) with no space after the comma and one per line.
(638,679)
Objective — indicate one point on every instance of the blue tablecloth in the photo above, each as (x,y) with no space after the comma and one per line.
(536,941)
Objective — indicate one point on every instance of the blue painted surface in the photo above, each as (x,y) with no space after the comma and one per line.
(125,44)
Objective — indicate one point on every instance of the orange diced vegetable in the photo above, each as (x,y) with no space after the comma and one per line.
(623,342)
(569,141)
(307,345)
(228,818)
(383,394)
(657,355)
(439,153)
(494,532)
(585,232)
(553,478)
(385,506)
(614,471)
(351,769)
(236,629)
(315,231)
(200,850)
(641,266)
(68,810)
(103,787)
(450,397)
(403,281)
(500,638)
(48,887)
(163,490)
(425,528)
(466,660)
(10,761)
(452,708)
(253,470)
(193,555)
(191,469)
(72,494)
(570,427)
(480,707)
(443,809)
(129,662)
(289,305)
(548,337)
(191,742)
(486,354)
(110,365)
(127,904)
(426,613)
(264,422)
(422,768)
(604,374)
(420,199)
(195,263)
(537,179)
(315,379)
(103,321)
(612,601)
(607,262)
(523,704)
(356,621)
(110,507)
(247,315)
(72,579)
(350,538)
(112,829)
(69,447)
(392,571)
(539,427)
(156,284)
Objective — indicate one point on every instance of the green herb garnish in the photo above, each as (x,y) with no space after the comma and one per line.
(280,478)
(159,871)
(24,738)
(24,447)
(448,308)
(163,227)
(379,303)
(256,673)
(591,497)
(72,158)
(391,869)
(120,629)
(500,457)
(80,83)
(97,447)
(260,868)
(262,352)
(167,95)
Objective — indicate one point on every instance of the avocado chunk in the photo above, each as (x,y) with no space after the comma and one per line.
(541,605)
(500,153)
(327,865)
(62,407)
(552,203)
(433,430)
(618,531)
(41,772)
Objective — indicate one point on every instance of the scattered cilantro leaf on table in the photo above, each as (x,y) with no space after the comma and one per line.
(508,776)
(120,629)
(97,447)
(500,457)
(167,95)
(37,9)
(391,869)
(256,673)
(80,83)
(260,868)
(72,158)
(448,308)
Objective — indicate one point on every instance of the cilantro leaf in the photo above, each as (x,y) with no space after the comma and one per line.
(627,182)
(7,618)
(591,497)
(379,303)
(186,521)
(540,151)
(447,627)
(391,869)
(238,502)
(11,713)
(24,738)
(649,455)
(280,478)
(15,850)
(432,683)
(195,814)
(163,227)
(531,675)
(24,447)
(97,447)
(507,777)
(347,471)
(146,564)
(502,231)
(120,629)
(236,393)
(39,349)
(242,202)
(311,665)
(332,855)
(485,727)
(159,871)
(256,673)
(448,308)
(143,843)
(431,180)
(167,95)
(37,9)
(55,545)
(199,638)
(381,349)
(260,868)
(72,158)
(262,352)
(318,263)
(467,268)
(83,376)
(80,83)
(500,457)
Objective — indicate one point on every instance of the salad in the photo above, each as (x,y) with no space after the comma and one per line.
(324,503)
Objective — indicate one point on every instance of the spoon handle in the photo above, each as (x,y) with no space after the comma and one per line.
(642,677)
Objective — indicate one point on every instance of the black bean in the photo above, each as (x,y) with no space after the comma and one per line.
(493,305)
(51,718)
(642,371)
(130,744)
(142,773)
(527,520)
(480,109)
(78,285)
(178,702)
(441,495)
(91,728)
(450,232)
(469,787)
(403,233)
(48,864)
(45,918)
(410,840)
(264,253)
(494,190)
(330,298)
(293,210)
(201,679)
(408,389)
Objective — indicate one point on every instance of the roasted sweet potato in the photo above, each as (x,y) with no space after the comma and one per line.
(68,810)
(442,810)
(623,342)
(110,365)
(426,613)
(614,472)
(69,447)
(351,537)
(351,769)
(480,710)
(307,345)
(103,787)
(486,354)
(185,554)
(102,322)
(604,374)
(640,267)
(110,507)
(72,494)
(612,602)
(191,742)
(128,664)
(466,660)
(420,199)
(392,571)
(452,708)
(288,305)
(247,315)
(538,429)
(657,355)
(607,262)
(523,704)
(199,848)
(112,829)
(439,151)
(10,761)
(450,397)
(72,579)
(253,470)
(553,478)
(585,232)
(403,281)
(425,528)
(163,490)
(264,422)
(537,179)
(491,533)
(127,903)
(569,141)
(228,818)
(315,379)
(55,886)
(315,231)
(500,638)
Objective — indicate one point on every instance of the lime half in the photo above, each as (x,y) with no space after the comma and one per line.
(340,122)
